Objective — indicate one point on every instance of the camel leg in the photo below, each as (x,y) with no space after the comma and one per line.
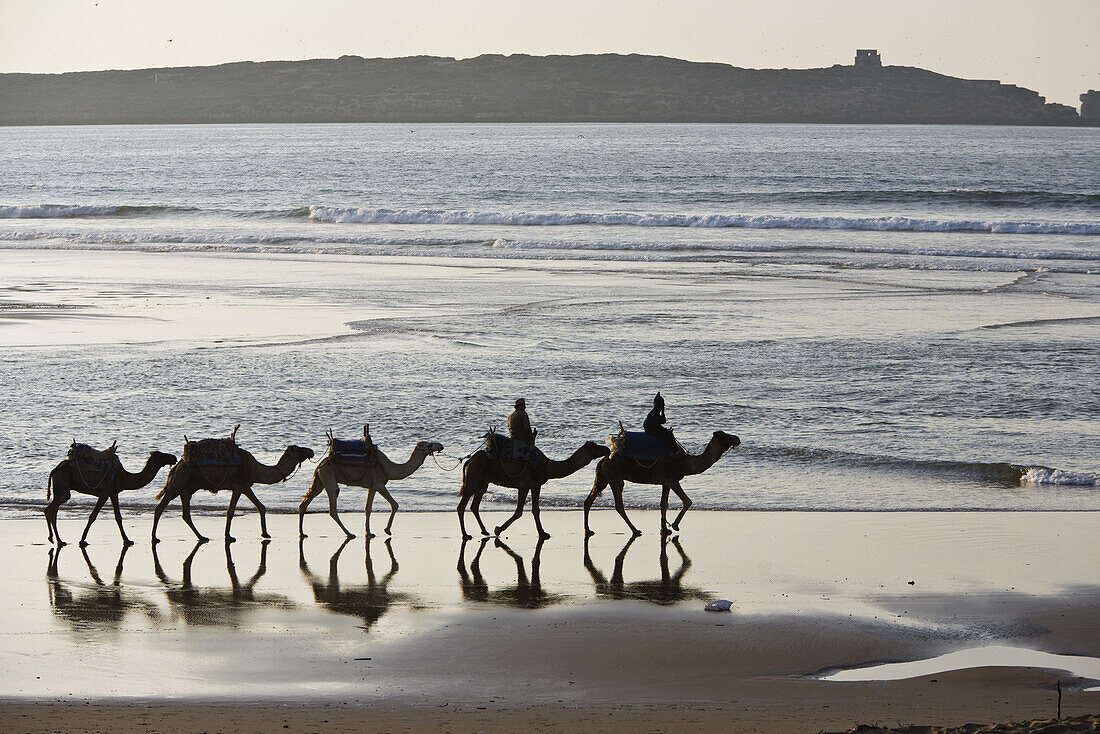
(393,507)
(479,495)
(60,497)
(462,502)
(686,503)
(598,486)
(314,490)
(91,518)
(515,515)
(543,535)
(251,495)
(366,512)
(185,501)
(229,515)
(126,542)
(617,491)
(332,496)
(664,510)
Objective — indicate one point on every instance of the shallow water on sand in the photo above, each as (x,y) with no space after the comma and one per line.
(889,318)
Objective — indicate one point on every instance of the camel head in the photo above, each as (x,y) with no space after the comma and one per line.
(726,440)
(429,447)
(298,453)
(159,458)
(596,450)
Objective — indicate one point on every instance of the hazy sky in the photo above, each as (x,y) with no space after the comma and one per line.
(1052,47)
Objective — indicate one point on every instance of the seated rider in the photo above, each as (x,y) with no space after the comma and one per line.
(655,425)
(519,424)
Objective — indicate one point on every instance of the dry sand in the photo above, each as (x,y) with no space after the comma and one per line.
(526,637)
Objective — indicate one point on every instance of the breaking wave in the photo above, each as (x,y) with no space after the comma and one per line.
(74,211)
(707,221)
(1001,473)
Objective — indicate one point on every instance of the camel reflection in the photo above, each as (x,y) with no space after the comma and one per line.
(369,603)
(103,605)
(527,593)
(669,589)
(213,606)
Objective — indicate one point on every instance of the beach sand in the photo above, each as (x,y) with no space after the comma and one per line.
(434,634)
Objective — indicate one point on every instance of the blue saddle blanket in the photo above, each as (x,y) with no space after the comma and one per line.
(355,451)
(503,447)
(640,446)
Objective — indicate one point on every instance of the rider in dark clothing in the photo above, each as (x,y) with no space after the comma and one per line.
(519,424)
(655,424)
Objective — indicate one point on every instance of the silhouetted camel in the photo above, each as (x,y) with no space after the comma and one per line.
(617,468)
(480,471)
(668,589)
(206,606)
(104,605)
(70,476)
(188,477)
(330,474)
(369,602)
(526,593)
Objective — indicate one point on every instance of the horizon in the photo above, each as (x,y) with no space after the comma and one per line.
(1048,49)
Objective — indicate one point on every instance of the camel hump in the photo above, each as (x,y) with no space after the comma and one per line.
(89,459)
(212,452)
(501,447)
(354,451)
(639,446)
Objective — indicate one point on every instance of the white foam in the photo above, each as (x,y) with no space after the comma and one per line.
(709,221)
(1042,475)
(55,211)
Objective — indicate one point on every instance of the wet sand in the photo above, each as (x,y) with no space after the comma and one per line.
(426,632)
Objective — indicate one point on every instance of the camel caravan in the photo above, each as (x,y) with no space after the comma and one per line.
(652,456)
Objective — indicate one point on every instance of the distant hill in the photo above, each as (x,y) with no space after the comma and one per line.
(520,88)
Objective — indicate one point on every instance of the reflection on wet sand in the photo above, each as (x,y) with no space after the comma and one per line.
(527,593)
(368,602)
(213,606)
(669,589)
(102,606)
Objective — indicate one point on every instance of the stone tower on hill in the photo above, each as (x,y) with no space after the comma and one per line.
(868,58)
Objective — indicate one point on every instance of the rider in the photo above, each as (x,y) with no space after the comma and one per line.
(519,424)
(655,425)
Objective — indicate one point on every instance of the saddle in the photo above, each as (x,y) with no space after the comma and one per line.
(361,451)
(212,451)
(639,446)
(88,460)
(503,447)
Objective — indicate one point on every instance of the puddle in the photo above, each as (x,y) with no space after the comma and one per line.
(978,657)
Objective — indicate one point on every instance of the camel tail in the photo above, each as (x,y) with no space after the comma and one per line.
(600,482)
(464,490)
(315,488)
(49,486)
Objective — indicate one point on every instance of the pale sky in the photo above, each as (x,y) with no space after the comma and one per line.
(1051,46)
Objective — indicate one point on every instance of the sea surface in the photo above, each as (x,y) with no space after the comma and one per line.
(890,317)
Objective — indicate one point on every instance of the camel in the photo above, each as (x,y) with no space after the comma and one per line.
(188,477)
(69,476)
(331,473)
(618,468)
(480,471)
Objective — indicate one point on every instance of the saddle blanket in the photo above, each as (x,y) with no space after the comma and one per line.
(92,460)
(355,451)
(212,452)
(639,446)
(503,447)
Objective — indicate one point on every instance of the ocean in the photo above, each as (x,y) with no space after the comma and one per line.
(890,317)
